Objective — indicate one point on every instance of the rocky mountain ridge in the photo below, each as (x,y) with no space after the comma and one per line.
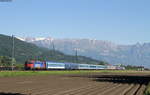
(137,54)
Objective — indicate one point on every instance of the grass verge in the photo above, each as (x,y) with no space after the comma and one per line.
(147,91)
(64,72)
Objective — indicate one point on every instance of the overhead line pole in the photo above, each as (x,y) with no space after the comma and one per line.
(76,55)
(53,48)
(13,48)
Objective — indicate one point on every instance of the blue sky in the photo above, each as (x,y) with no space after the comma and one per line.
(119,21)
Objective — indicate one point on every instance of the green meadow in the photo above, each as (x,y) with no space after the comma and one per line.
(64,72)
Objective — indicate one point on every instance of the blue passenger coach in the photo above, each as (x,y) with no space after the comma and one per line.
(83,66)
(71,66)
(54,65)
(100,67)
(91,67)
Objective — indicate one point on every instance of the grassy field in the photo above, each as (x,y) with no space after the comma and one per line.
(29,73)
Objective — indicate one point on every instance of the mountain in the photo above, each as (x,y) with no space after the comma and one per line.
(25,51)
(137,54)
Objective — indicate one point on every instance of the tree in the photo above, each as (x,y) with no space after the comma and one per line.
(5,61)
(102,63)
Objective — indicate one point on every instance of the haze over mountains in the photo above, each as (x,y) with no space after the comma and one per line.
(136,54)
(26,51)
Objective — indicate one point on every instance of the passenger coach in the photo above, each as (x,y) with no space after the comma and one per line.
(54,65)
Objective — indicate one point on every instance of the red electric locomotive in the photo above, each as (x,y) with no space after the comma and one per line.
(35,65)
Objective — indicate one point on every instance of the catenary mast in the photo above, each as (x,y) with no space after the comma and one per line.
(13,49)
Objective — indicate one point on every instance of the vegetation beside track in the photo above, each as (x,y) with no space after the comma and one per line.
(147,91)
(64,72)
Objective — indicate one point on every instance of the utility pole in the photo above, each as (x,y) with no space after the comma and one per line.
(13,49)
(76,55)
(53,48)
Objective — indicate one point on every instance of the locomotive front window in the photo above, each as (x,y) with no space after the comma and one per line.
(30,63)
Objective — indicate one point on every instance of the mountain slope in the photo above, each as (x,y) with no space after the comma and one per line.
(25,51)
(138,54)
